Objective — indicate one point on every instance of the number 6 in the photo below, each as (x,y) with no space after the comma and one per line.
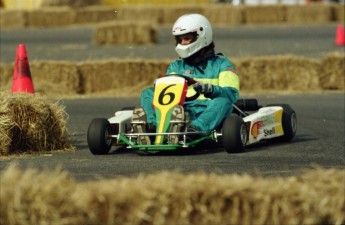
(163,94)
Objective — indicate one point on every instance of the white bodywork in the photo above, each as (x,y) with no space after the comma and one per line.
(266,123)
(122,118)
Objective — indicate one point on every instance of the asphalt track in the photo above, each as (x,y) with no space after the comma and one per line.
(76,44)
(320,137)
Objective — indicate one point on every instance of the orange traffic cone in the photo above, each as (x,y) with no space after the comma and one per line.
(22,81)
(340,35)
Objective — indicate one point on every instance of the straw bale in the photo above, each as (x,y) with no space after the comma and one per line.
(50,17)
(333,71)
(53,197)
(265,14)
(278,73)
(12,18)
(36,186)
(72,3)
(149,13)
(120,77)
(6,124)
(6,71)
(338,12)
(224,14)
(56,77)
(93,14)
(171,14)
(50,78)
(31,123)
(311,13)
(125,32)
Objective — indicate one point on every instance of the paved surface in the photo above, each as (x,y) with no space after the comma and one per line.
(319,141)
(75,44)
(320,137)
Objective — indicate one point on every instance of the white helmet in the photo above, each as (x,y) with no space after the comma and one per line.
(191,23)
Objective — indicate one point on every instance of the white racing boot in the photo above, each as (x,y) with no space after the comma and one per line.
(177,121)
(139,123)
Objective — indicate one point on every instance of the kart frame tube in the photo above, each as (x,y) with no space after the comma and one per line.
(207,135)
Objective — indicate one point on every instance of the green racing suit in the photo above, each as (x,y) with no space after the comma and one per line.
(205,113)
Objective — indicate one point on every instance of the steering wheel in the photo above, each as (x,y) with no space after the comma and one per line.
(190,81)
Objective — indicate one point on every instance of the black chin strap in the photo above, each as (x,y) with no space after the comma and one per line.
(199,59)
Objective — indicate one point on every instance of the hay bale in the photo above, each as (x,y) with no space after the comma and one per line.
(126,32)
(171,14)
(49,197)
(6,71)
(288,73)
(264,14)
(56,78)
(6,124)
(93,14)
(332,72)
(120,77)
(13,18)
(338,13)
(311,13)
(147,13)
(49,78)
(72,3)
(224,14)
(39,186)
(31,123)
(50,17)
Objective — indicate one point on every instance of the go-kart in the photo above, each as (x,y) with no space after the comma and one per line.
(248,123)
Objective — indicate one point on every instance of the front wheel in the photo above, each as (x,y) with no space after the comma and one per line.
(234,133)
(98,136)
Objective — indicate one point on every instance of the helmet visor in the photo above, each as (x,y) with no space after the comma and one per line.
(186,39)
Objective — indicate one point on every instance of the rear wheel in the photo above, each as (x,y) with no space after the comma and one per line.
(289,122)
(234,133)
(98,136)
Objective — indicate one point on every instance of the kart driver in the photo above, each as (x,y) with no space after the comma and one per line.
(217,81)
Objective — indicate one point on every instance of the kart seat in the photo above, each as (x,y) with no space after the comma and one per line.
(249,104)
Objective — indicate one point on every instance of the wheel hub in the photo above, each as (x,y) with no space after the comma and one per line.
(243,133)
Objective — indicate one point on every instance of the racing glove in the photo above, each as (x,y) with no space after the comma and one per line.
(201,88)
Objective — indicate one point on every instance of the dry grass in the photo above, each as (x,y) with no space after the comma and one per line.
(31,124)
(36,197)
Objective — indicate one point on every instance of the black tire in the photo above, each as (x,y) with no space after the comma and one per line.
(289,122)
(128,108)
(234,133)
(98,138)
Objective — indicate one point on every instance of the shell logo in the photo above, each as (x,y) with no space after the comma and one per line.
(255,131)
